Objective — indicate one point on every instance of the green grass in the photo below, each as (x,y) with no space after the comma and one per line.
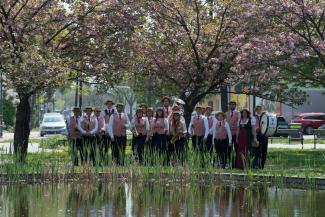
(280,162)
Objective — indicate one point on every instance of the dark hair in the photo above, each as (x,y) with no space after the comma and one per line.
(162,113)
(247,111)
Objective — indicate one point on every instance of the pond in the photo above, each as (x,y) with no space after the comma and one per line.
(156,199)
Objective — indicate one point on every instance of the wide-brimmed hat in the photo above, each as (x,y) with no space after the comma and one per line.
(109,100)
(177,113)
(76,109)
(88,108)
(220,113)
(208,107)
(258,107)
(176,108)
(143,105)
(165,97)
(119,104)
(97,109)
(139,110)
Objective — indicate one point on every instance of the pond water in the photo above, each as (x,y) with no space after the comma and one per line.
(154,199)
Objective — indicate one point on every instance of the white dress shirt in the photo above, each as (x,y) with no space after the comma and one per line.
(216,125)
(206,126)
(81,119)
(109,127)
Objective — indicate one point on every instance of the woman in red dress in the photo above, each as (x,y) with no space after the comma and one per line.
(245,136)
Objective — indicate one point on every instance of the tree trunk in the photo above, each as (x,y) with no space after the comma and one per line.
(188,109)
(22,127)
(224,98)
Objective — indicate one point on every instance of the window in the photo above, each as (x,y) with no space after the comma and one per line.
(53,119)
(320,117)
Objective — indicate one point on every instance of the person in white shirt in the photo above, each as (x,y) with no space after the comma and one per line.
(199,130)
(106,114)
(210,119)
(141,132)
(221,137)
(88,127)
(116,128)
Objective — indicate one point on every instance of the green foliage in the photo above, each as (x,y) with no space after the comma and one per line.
(9,111)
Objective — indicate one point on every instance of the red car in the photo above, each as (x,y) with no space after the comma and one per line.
(309,121)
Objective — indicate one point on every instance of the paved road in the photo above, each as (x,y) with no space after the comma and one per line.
(34,147)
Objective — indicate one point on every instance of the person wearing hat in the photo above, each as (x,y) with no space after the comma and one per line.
(232,119)
(198,130)
(144,108)
(141,132)
(75,135)
(210,118)
(166,106)
(117,126)
(106,114)
(150,117)
(177,145)
(88,126)
(101,143)
(221,137)
(245,136)
(160,130)
(260,152)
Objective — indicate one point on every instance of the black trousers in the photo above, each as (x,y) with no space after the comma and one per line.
(159,143)
(178,151)
(198,143)
(88,148)
(138,142)
(104,148)
(76,146)
(118,149)
(209,145)
(231,156)
(221,147)
(262,150)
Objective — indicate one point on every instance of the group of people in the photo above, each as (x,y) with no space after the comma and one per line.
(234,137)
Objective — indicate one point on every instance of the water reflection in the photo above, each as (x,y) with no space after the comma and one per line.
(160,200)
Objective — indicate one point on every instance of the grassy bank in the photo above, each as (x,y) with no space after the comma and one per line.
(280,163)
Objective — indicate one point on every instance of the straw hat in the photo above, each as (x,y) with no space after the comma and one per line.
(108,101)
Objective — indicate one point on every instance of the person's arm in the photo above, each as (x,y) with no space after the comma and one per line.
(127,124)
(253,123)
(110,127)
(79,126)
(102,113)
(184,128)
(238,128)
(214,126)
(190,127)
(227,126)
(147,126)
(96,127)
(166,125)
(206,127)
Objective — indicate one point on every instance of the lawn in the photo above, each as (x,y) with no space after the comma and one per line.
(280,162)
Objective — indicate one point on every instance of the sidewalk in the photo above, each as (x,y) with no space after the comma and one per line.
(10,136)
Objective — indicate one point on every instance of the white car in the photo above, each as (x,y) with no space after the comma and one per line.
(53,123)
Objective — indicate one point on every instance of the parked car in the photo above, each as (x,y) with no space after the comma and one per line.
(53,123)
(282,124)
(309,121)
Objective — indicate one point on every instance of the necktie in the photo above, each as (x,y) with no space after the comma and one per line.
(167,111)
(232,113)
(219,124)
(120,116)
(198,117)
